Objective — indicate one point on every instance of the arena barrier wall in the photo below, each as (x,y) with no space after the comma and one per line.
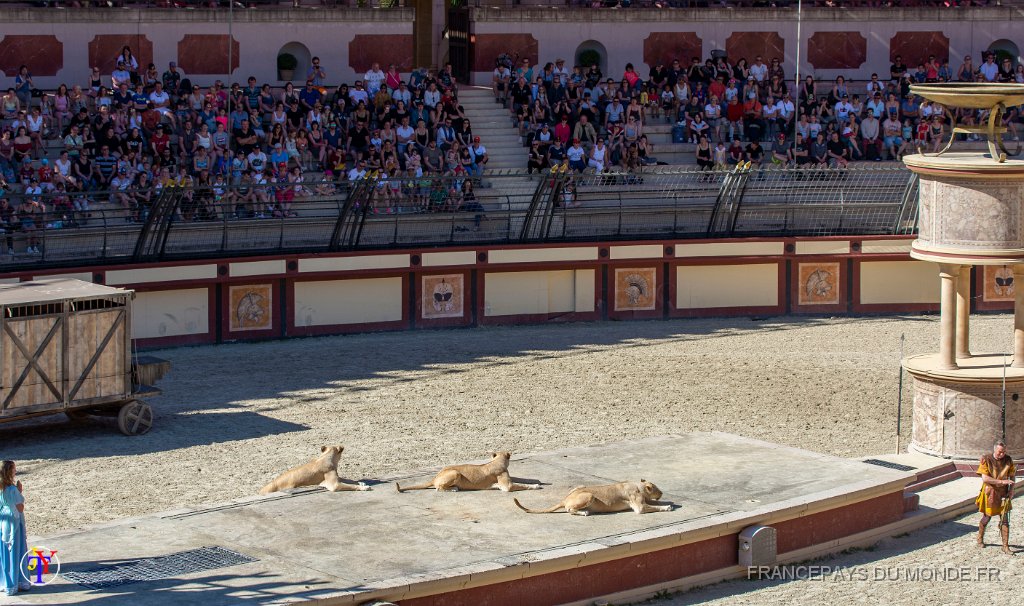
(224,300)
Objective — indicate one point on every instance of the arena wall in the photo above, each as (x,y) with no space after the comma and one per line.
(60,46)
(224,300)
(849,42)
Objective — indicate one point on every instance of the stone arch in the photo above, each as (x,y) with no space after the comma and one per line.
(592,45)
(1004,47)
(302,54)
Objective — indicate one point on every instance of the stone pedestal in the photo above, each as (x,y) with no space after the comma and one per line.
(958,413)
(970,213)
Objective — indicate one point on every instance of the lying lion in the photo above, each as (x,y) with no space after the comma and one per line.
(585,500)
(322,471)
(474,477)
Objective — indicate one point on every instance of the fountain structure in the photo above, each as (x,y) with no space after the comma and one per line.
(971,214)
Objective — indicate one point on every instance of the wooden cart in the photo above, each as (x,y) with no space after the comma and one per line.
(65,347)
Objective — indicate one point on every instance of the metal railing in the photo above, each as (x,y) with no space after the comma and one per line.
(429,211)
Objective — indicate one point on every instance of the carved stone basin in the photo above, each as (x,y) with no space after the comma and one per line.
(971,95)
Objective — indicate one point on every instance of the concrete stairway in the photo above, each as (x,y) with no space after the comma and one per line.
(491,122)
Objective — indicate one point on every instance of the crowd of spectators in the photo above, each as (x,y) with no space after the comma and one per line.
(246,150)
(734,112)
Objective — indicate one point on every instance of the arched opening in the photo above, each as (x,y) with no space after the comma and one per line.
(303,59)
(590,52)
(1005,48)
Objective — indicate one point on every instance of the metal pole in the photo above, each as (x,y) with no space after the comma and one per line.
(227,83)
(899,397)
(1003,408)
(796,81)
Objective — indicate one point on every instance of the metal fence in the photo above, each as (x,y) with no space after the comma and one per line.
(439,211)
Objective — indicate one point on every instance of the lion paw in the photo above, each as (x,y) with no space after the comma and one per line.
(665,508)
(534,486)
(362,486)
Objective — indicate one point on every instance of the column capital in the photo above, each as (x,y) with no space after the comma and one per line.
(951,270)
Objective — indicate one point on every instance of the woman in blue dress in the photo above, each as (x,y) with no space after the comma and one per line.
(13,542)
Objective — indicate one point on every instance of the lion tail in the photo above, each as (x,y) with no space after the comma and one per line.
(551,509)
(423,486)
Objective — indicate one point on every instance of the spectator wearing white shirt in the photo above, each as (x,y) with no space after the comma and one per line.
(770,114)
(402,94)
(787,110)
(869,133)
(875,106)
(404,135)
(357,172)
(358,93)
(257,160)
(500,81)
(575,154)
(843,110)
(374,78)
(874,86)
(561,71)
(759,70)
(431,96)
(120,74)
(989,70)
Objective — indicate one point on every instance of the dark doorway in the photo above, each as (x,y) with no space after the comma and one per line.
(459,46)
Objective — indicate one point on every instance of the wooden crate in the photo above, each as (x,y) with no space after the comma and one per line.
(63,344)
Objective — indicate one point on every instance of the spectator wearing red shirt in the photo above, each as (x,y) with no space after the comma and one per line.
(717,88)
(631,77)
(563,130)
(734,114)
(160,141)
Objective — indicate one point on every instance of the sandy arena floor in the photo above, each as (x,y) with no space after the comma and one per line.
(233,416)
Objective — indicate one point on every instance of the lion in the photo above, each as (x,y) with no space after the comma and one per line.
(584,500)
(474,477)
(322,471)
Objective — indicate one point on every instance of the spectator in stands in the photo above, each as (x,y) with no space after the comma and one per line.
(754,153)
(838,152)
(989,71)
(23,86)
(576,155)
(870,140)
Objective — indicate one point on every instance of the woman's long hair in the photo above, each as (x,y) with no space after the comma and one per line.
(6,474)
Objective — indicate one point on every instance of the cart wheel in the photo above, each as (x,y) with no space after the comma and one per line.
(135,418)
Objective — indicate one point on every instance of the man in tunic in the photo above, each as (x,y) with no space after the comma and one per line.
(997,473)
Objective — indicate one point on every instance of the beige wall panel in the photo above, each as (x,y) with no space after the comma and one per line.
(84,276)
(257,268)
(710,286)
(171,313)
(353,263)
(639,251)
(886,246)
(893,282)
(729,249)
(348,301)
(161,274)
(461,257)
(585,290)
(530,292)
(541,255)
(823,248)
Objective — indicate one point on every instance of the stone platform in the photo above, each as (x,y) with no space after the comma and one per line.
(477,548)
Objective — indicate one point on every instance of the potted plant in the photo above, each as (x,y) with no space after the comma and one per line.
(286,64)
